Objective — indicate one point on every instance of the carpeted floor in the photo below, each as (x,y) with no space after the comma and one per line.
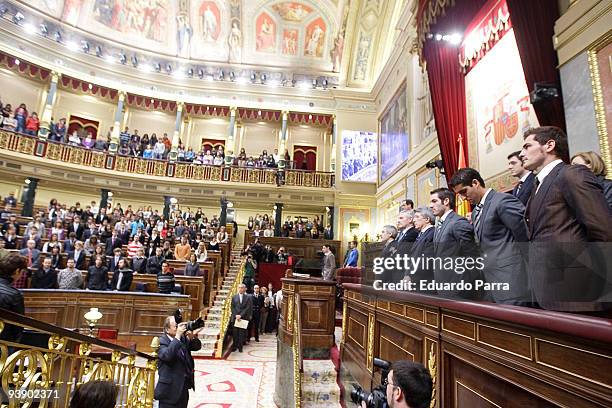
(244,380)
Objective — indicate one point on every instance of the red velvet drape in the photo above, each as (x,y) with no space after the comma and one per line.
(305,157)
(533,23)
(447,82)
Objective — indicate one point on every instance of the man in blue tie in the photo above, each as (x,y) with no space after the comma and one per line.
(352,256)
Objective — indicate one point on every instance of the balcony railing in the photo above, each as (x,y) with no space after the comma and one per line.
(161,168)
(45,371)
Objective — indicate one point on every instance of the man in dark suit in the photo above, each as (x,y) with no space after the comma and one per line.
(242,309)
(258,305)
(77,227)
(114,262)
(424,221)
(175,365)
(78,254)
(387,235)
(406,233)
(569,228)
(69,243)
(453,240)
(300,232)
(112,243)
(523,188)
(499,228)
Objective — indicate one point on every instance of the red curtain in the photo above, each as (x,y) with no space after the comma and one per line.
(305,157)
(82,126)
(533,23)
(447,82)
(209,144)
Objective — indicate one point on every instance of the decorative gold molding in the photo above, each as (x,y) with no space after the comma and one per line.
(370,350)
(433,371)
(598,99)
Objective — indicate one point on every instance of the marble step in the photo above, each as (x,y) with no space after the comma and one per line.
(212,324)
(321,394)
(319,372)
(209,352)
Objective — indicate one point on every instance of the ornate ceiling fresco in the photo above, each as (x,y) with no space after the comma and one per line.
(335,38)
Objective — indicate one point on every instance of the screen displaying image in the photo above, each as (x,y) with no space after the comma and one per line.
(359,156)
(394,146)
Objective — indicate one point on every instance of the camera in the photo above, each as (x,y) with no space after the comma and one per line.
(378,397)
(192,324)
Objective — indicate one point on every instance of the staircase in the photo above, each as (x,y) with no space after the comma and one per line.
(209,335)
(319,386)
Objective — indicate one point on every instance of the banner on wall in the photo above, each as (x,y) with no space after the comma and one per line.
(498,107)
(394,147)
(359,156)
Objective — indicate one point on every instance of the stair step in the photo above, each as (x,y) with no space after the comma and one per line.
(321,395)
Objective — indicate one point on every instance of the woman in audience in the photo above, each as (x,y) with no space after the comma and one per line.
(56,258)
(32,125)
(213,245)
(192,268)
(88,142)
(144,142)
(74,139)
(153,140)
(98,251)
(90,244)
(201,252)
(218,159)
(195,243)
(271,324)
(58,132)
(21,114)
(53,241)
(595,163)
(284,231)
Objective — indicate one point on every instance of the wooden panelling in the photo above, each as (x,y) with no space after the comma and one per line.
(459,327)
(505,340)
(306,248)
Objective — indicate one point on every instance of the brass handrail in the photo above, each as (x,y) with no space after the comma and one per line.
(46,377)
(226,314)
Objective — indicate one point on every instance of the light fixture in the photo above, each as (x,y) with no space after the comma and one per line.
(438,37)
(221,76)
(85,46)
(43,29)
(3,11)
(232,76)
(18,18)
(29,28)
(58,36)
(92,318)
(134,61)
(152,101)
(98,51)
(72,46)
(157,67)
(122,58)
(17,62)
(173,200)
(230,204)
(455,38)
(314,83)
(110,193)
(90,86)
(168,68)
(27,181)
(190,72)
(324,83)
(263,78)
(200,73)
(253,77)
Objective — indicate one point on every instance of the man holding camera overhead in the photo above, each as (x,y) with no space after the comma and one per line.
(175,365)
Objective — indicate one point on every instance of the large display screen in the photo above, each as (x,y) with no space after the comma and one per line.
(394,136)
(359,156)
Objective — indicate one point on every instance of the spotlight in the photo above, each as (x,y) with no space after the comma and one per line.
(438,37)
(429,36)
(134,61)
(43,29)
(17,62)
(110,193)
(455,38)
(72,46)
(253,77)
(29,28)
(122,58)
(98,51)
(27,181)
(168,68)
(200,73)
(58,36)
(157,67)
(85,46)
(18,18)
(190,72)
(232,76)
(90,86)
(263,78)
(173,200)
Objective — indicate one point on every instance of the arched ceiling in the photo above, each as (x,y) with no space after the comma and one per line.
(337,38)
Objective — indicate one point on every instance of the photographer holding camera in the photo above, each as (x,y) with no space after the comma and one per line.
(175,365)
(405,384)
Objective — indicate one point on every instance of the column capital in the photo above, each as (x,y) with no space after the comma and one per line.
(233,110)
(285,113)
(121,95)
(55,76)
(180,105)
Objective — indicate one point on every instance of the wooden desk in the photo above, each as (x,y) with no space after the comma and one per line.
(480,354)
(131,313)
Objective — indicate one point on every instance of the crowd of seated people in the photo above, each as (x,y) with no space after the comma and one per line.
(60,242)
(263,226)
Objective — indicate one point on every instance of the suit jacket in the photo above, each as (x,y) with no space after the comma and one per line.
(68,245)
(328,271)
(139,265)
(390,275)
(525,192)
(175,368)
(455,239)
(502,233)
(80,261)
(35,256)
(78,231)
(423,247)
(567,220)
(126,280)
(113,264)
(410,235)
(244,309)
(110,245)
(44,279)
(300,233)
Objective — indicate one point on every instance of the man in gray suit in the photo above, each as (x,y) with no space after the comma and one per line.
(242,309)
(453,241)
(499,228)
(329,263)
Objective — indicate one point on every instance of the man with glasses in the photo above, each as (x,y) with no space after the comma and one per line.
(408,385)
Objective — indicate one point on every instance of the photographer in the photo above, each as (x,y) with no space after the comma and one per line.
(175,365)
(407,385)
(250,268)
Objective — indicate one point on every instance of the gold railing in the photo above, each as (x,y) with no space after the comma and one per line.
(226,314)
(46,376)
(297,352)
(65,153)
